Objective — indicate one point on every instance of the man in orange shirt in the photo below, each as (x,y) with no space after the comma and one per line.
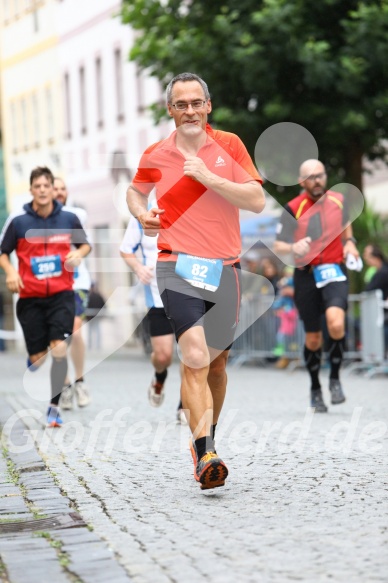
(202,177)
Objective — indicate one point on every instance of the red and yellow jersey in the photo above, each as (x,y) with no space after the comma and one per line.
(323,220)
(196,221)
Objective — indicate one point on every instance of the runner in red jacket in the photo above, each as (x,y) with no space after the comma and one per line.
(42,235)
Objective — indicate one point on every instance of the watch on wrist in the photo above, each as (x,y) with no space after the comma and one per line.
(352,239)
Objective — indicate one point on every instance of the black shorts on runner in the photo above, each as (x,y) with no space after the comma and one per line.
(312,302)
(159,324)
(46,319)
(189,306)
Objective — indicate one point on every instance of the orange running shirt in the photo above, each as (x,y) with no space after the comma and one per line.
(196,221)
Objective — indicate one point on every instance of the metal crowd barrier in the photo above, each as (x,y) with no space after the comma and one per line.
(373,350)
(256,343)
(256,333)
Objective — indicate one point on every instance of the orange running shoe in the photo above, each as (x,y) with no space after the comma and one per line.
(193,451)
(210,471)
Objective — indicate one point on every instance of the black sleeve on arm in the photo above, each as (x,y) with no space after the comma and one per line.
(378,281)
(8,239)
(286,227)
(78,235)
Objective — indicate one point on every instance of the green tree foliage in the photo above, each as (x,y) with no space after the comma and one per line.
(321,64)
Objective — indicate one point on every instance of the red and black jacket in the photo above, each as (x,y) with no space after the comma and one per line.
(34,237)
(323,220)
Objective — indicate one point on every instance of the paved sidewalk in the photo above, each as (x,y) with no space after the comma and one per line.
(306,497)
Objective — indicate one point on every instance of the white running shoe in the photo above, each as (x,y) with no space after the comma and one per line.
(181,417)
(156,393)
(81,393)
(66,399)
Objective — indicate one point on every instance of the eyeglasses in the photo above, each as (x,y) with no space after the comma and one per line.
(314,177)
(182,106)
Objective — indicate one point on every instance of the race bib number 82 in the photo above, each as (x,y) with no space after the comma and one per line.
(200,271)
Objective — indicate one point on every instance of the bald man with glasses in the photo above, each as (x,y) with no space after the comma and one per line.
(315,229)
(202,177)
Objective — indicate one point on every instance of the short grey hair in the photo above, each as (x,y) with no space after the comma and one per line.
(186,77)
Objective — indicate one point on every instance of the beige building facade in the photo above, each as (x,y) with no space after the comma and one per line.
(31,98)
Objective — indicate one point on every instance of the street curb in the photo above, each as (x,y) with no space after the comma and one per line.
(42,536)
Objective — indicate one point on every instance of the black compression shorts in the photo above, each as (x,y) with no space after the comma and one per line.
(189,306)
(158,322)
(46,319)
(313,302)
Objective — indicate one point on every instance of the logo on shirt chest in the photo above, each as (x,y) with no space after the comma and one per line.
(220,162)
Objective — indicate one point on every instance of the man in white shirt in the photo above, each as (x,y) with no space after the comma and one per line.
(161,332)
(82,283)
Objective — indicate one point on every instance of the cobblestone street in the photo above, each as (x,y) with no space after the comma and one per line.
(305,500)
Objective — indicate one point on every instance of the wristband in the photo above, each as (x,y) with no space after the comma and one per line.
(352,239)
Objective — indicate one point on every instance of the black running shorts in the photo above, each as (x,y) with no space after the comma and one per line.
(313,302)
(189,306)
(46,319)
(158,322)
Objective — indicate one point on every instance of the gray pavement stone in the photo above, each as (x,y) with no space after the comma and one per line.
(31,560)
(306,499)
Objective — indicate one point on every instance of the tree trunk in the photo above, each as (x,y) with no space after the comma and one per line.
(353,164)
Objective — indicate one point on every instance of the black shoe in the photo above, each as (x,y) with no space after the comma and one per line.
(317,402)
(337,394)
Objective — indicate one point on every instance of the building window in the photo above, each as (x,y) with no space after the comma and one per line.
(119,85)
(140,91)
(82,89)
(6,11)
(50,115)
(14,127)
(101,244)
(66,94)
(99,91)
(35,115)
(35,20)
(25,139)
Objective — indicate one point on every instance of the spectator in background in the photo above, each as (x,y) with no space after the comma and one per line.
(374,257)
(270,271)
(250,286)
(267,324)
(2,343)
(95,304)
(287,313)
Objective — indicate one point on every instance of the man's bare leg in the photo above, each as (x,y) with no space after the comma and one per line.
(77,349)
(162,347)
(217,379)
(209,469)
(161,357)
(195,392)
